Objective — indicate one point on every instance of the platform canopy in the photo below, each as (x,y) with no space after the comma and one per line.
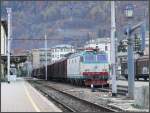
(14,59)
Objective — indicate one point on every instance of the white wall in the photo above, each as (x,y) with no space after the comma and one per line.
(3,41)
(73,67)
(36,59)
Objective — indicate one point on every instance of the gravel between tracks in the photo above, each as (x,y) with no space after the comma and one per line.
(71,101)
(120,103)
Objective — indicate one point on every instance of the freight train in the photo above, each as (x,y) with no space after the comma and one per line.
(81,68)
(141,68)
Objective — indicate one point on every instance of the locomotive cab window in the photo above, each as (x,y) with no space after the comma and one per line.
(89,58)
(102,58)
(81,59)
(94,57)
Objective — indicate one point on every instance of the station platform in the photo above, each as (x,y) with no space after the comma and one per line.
(20,96)
(125,83)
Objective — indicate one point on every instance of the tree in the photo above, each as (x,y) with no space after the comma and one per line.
(137,43)
(122,47)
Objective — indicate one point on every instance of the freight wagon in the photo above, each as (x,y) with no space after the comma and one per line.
(58,70)
(141,68)
(38,73)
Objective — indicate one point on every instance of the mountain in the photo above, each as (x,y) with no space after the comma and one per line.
(71,22)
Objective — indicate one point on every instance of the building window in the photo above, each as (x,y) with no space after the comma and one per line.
(61,55)
(96,46)
(106,48)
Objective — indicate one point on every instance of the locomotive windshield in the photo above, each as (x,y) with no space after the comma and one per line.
(102,58)
(89,58)
(95,58)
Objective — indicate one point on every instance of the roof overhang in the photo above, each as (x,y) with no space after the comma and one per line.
(15,59)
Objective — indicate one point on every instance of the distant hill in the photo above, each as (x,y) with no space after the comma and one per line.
(67,22)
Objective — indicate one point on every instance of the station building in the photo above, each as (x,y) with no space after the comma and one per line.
(4,34)
(38,57)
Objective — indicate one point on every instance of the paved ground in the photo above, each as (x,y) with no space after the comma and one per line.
(20,96)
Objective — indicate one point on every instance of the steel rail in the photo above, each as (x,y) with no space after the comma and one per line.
(51,98)
(92,105)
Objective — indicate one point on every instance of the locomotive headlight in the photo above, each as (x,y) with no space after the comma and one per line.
(104,70)
(87,70)
(95,67)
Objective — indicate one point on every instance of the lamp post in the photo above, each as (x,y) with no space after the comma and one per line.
(131,74)
(45,57)
(71,12)
(113,49)
(8,43)
(71,8)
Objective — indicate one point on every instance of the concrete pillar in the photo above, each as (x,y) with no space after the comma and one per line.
(141,96)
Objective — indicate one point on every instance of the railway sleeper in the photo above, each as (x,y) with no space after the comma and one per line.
(84,103)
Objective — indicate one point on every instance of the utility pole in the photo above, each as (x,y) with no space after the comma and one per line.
(8,43)
(131,73)
(113,51)
(130,65)
(45,57)
(28,67)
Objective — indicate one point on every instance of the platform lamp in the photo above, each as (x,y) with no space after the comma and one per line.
(129,14)
(129,11)
(9,12)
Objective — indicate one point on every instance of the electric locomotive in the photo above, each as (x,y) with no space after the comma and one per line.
(88,67)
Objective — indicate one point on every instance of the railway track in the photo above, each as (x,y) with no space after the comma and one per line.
(68,101)
(43,90)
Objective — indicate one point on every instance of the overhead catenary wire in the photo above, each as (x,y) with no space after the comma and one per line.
(42,39)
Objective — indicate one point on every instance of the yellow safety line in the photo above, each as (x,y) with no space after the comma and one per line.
(31,100)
